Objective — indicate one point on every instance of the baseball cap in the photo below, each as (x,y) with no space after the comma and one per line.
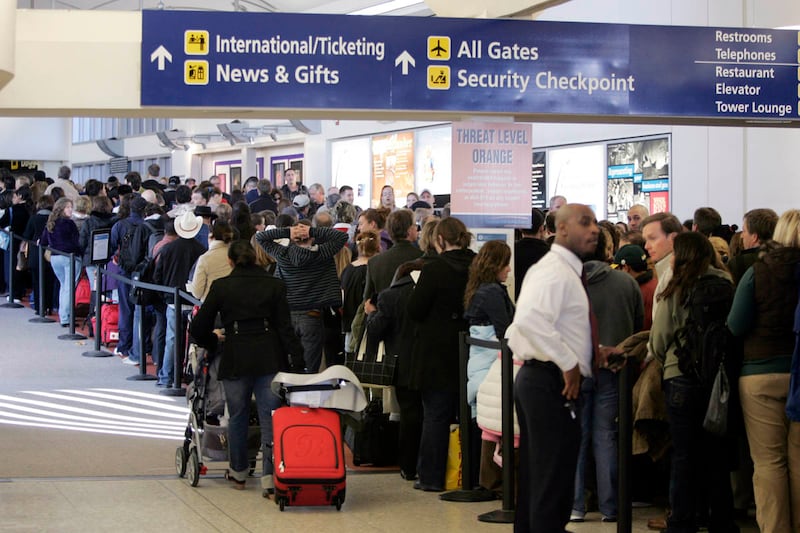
(300,201)
(632,255)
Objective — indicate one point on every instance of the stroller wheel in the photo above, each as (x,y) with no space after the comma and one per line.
(281,503)
(180,461)
(193,469)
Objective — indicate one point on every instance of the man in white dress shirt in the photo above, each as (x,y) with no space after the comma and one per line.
(552,334)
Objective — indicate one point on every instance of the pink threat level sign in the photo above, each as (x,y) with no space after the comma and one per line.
(491,185)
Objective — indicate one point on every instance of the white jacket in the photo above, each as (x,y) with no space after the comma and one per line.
(490,406)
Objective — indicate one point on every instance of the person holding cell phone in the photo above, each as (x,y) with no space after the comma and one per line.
(618,308)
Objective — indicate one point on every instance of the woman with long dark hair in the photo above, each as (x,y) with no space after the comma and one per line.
(259,342)
(61,234)
(489,311)
(699,461)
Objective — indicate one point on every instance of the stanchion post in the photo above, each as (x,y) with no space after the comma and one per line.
(42,317)
(98,318)
(506,514)
(10,304)
(71,336)
(625,449)
(177,389)
(467,493)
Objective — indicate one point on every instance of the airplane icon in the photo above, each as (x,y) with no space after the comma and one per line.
(438,49)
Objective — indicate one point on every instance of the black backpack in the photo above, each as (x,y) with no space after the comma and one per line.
(703,342)
(146,267)
(133,246)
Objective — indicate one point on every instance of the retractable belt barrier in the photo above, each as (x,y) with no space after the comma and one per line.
(178,297)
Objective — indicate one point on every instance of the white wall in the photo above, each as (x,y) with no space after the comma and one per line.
(41,139)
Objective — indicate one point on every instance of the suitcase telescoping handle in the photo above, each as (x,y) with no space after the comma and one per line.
(313,387)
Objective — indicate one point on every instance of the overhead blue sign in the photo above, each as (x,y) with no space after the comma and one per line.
(330,62)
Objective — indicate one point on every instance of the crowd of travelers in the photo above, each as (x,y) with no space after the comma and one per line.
(295,277)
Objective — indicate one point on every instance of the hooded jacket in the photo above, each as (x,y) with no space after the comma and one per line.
(616,301)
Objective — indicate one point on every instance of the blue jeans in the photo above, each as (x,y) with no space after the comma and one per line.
(61,265)
(145,316)
(126,310)
(439,409)
(599,409)
(166,374)
(159,334)
(237,396)
(311,332)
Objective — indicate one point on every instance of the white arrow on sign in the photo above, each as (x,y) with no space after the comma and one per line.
(405,59)
(161,54)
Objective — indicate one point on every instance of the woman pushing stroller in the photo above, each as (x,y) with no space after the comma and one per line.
(259,342)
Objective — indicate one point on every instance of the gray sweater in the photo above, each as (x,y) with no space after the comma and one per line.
(616,302)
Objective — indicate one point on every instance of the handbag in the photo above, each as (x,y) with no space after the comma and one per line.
(372,368)
(22,261)
(716,420)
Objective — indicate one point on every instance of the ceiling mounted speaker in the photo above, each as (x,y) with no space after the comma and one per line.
(112,147)
(234,131)
(172,139)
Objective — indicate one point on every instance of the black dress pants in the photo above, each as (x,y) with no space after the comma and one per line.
(550,436)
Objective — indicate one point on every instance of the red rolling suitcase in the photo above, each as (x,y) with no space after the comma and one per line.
(308,456)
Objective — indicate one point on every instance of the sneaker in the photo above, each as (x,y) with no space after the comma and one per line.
(129,361)
(609,519)
(577,516)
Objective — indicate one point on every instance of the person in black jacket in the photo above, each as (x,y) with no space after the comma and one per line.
(437,308)
(530,248)
(259,342)
(16,217)
(264,200)
(33,231)
(176,260)
(388,321)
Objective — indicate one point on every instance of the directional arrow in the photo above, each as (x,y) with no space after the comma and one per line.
(161,54)
(405,59)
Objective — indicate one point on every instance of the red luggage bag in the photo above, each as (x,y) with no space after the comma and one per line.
(308,456)
(110,324)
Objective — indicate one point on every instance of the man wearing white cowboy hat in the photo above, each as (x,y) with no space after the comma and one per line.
(173,265)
